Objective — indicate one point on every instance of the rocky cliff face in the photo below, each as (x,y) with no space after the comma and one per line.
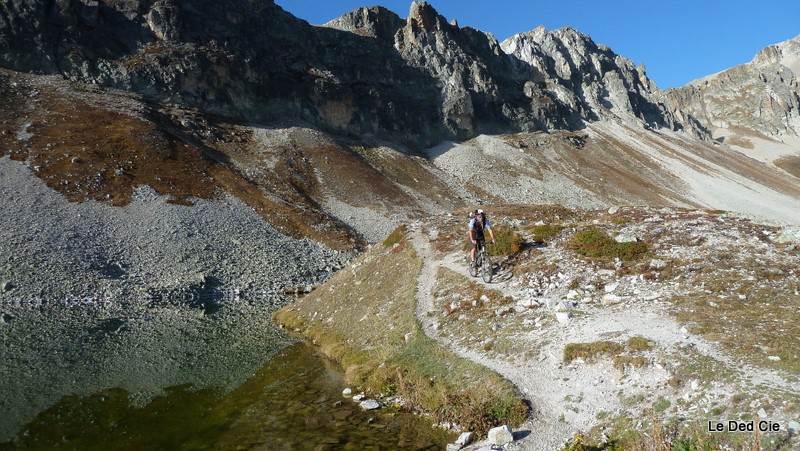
(762,96)
(592,80)
(242,59)
(417,80)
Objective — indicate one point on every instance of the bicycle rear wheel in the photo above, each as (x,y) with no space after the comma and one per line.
(486,268)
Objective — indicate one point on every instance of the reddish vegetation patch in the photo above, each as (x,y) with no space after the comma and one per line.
(86,151)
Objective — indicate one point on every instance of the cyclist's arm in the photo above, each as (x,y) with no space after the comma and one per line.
(491,233)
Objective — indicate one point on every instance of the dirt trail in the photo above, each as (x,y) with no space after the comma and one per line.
(567,398)
(540,431)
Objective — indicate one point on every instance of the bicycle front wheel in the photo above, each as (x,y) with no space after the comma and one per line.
(473,267)
(486,268)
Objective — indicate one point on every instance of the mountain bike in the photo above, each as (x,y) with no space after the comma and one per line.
(483,263)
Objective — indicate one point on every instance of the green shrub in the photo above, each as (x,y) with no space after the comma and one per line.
(545,233)
(507,241)
(594,243)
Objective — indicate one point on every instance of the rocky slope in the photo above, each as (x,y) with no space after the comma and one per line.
(761,97)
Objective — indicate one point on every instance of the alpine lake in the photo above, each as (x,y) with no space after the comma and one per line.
(147,376)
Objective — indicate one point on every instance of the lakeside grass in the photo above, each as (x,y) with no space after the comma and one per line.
(363,318)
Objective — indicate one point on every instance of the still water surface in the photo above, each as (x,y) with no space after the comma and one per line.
(81,389)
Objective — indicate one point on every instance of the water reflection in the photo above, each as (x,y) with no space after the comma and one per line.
(292,402)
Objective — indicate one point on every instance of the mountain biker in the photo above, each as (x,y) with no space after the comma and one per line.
(478,225)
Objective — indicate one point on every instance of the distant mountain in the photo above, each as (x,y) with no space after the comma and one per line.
(760,97)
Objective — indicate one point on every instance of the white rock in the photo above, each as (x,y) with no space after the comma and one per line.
(347,392)
(563,317)
(370,404)
(465,438)
(789,235)
(610,299)
(501,435)
(793,427)
(626,238)
(774,358)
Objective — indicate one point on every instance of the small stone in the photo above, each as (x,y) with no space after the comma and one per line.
(370,404)
(563,317)
(793,427)
(347,392)
(762,413)
(76,160)
(465,438)
(626,238)
(501,435)
(774,358)
(610,299)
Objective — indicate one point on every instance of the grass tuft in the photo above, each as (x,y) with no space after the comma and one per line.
(589,352)
(542,234)
(594,243)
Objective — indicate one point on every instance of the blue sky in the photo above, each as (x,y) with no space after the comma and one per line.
(677,41)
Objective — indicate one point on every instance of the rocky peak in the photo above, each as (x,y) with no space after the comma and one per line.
(766,93)
(591,79)
(480,87)
(786,54)
(422,15)
(376,22)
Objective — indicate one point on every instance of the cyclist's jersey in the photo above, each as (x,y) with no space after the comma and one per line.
(479,227)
